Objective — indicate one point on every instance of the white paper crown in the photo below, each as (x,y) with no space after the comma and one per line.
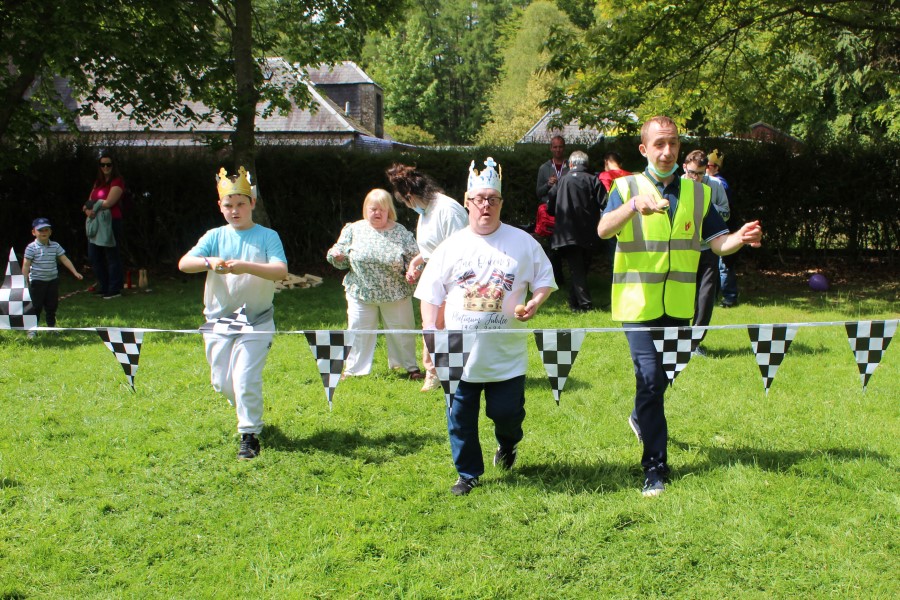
(489,177)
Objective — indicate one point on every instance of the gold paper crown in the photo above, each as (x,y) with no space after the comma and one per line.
(716,158)
(240,185)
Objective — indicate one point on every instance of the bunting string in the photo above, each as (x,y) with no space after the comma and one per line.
(558,348)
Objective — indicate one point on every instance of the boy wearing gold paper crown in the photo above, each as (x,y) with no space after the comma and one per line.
(242,261)
(484,273)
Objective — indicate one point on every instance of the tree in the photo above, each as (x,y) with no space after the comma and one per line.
(97,45)
(515,100)
(437,66)
(819,70)
(143,58)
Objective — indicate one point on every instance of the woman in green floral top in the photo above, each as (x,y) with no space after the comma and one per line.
(377,251)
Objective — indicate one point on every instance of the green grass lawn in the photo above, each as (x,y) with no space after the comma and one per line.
(108,493)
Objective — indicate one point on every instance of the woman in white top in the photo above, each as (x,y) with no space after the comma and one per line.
(439,216)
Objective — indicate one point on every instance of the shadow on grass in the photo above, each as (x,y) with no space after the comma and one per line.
(565,477)
(355,444)
(778,461)
(577,478)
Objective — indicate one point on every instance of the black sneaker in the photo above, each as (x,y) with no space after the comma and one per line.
(655,482)
(505,458)
(249,446)
(464,485)
(633,422)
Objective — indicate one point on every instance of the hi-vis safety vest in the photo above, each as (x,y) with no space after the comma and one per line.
(655,267)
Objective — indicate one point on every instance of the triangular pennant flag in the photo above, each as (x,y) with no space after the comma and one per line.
(675,345)
(15,300)
(330,349)
(558,348)
(869,340)
(450,352)
(770,344)
(126,345)
(236,322)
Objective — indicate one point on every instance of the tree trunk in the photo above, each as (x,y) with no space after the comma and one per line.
(243,141)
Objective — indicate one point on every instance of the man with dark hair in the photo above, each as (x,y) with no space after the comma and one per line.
(575,203)
(708,271)
(612,169)
(659,221)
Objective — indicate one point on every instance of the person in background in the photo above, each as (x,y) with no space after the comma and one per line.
(575,203)
(612,169)
(377,251)
(439,217)
(548,174)
(659,221)
(41,273)
(708,270)
(242,261)
(484,273)
(106,261)
(727,273)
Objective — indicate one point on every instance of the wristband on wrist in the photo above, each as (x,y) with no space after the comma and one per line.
(633,207)
(208,266)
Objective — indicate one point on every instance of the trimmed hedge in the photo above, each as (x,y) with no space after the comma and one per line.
(833,199)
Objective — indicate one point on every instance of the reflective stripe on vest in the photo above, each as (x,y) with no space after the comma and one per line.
(655,267)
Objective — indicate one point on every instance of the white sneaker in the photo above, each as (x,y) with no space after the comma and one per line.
(31,334)
(432,382)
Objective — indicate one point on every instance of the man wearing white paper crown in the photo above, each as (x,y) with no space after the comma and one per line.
(242,261)
(484,273)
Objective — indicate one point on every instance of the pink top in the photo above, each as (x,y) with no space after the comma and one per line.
(101,193)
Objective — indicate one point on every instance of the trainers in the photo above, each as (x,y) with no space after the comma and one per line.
(505,459)
(432,382)
(654,484)
(632,420)
(699,351)
(249,446)
(111,296)
(464,485)
(31,334)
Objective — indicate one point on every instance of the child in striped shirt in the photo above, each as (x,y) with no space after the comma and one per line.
(41,273)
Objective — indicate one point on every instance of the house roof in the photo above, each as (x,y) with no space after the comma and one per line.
(573,132)
(327,118)
(346,72)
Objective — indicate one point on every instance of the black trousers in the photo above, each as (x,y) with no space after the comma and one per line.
(579,261)
(650,388)
(707,288)
(44,296)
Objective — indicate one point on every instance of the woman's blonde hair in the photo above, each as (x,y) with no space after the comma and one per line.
(381,198)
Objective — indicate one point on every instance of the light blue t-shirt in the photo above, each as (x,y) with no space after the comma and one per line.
(224,294)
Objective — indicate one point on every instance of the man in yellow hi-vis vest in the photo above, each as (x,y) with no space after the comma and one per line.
(659,220)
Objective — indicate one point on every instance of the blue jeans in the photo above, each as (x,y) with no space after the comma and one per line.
(106,262)
(504,403)
(650,388)
(728,280)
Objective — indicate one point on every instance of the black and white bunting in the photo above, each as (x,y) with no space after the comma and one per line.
(675,345)
(330,349)
(15,300)
(770,344)
(450,352)
(868,342)
(236,322)
(126,346)
(558,349)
